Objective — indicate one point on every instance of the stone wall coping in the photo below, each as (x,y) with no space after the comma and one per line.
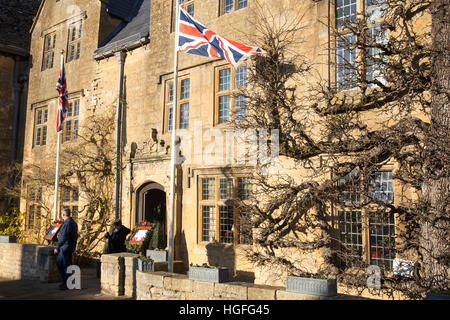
(127,255)
(17,244)
(111,258)
(27,246)
(175,275)
(264,286)
(165,274)
(120,254)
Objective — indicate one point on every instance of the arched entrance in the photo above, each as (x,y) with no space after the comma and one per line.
(151,206)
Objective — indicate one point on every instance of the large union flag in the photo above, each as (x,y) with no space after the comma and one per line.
(197,39)
(63,103)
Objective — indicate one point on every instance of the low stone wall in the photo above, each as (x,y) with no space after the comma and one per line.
(28,262)
(112,274)
(118,273)
(120,277)
(170,286)
(130,262)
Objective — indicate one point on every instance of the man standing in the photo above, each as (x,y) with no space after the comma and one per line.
(116,240)
(67,242)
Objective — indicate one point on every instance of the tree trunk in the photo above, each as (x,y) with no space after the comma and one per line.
(435,188)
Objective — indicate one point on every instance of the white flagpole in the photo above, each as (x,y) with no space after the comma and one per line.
(173,148)
(58,143)
(55,208)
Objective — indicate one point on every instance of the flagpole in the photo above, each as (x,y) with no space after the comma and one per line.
(58,146)
(55,208)
(173,155)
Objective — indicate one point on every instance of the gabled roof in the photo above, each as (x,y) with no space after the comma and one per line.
(132,32)
(37,16)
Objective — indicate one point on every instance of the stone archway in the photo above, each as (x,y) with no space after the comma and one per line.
(151,206)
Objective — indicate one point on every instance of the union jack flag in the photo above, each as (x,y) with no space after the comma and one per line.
(63,102)
(196,39)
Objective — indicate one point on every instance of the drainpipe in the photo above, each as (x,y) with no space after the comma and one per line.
(116,207)
(19,82)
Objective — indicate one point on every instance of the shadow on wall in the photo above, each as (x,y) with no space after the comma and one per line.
(38,263)
(224,255)
(182,251)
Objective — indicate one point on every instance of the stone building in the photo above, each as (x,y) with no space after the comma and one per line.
(15,21)
(100,36)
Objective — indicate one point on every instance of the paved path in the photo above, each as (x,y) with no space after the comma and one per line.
(90,290)
(35,290)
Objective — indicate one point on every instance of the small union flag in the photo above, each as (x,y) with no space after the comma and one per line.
(63,102)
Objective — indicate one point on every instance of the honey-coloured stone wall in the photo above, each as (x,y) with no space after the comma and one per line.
(28,262)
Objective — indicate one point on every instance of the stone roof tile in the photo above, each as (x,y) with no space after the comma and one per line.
(122,8)
(128,33)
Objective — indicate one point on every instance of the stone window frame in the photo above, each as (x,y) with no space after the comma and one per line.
(188,5)
(346,71)
(224,6)
(51,104)
(48,54)
(74,35)
(70,196)
(40,132)
(217,203)
(364,228)
(72,122)
(183,99)
(34,208)
(232,92)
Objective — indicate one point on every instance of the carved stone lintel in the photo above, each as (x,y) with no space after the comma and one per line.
(145,149)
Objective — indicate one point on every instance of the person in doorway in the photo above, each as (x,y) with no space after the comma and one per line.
(116,240)
(67,242)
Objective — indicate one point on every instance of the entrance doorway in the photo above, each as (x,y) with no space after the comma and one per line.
(151,206)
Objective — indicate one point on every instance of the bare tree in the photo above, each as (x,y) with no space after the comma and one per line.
(87,165)
(389,104)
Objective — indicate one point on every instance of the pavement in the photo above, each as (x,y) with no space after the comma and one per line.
(90,290)
(35,290)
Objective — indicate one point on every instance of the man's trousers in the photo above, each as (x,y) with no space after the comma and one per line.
(63,261)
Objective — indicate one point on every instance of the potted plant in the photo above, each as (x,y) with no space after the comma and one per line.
(208,273)
(157,254)
(145,264)
(317,284)
(157,242)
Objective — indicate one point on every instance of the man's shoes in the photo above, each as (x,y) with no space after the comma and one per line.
(63,287)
